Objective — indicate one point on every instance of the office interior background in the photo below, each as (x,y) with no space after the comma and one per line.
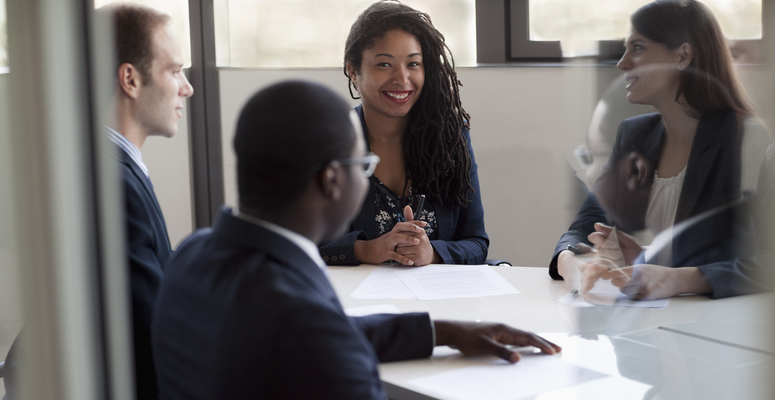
(60,254)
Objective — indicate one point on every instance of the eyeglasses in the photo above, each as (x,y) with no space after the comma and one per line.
(369,163)
(585,156)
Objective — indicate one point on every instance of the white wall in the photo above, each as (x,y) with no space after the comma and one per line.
(524,122)
(169,165)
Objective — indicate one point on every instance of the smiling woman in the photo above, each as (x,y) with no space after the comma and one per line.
(398,64)
(391,76)
(689,164)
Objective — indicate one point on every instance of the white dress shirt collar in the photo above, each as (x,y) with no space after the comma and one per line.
(128,147)
(306,245)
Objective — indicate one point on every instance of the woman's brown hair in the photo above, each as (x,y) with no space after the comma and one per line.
(710,82)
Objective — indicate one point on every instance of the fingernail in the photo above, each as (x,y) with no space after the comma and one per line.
(416,241)
(410,262)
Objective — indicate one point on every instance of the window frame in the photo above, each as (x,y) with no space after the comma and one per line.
(503,36)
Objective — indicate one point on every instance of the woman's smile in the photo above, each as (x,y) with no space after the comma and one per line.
(398,96)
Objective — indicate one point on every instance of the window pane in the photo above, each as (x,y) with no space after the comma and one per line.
(3,39)
(579,24)
(311,33)
(177,9)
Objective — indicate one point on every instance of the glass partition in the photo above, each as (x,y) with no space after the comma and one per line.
(10,297)
(3,38)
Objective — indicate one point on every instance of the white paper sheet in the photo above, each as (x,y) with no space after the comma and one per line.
(501,381)
(369,310)
(436,282)
(606,294)
(383,283)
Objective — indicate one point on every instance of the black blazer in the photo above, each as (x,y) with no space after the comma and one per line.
(713,176)
(244,313)
(148,248)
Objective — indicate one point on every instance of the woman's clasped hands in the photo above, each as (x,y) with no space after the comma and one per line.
(407,243)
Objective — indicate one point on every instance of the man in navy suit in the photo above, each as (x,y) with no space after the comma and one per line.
(246,310)
(151,90)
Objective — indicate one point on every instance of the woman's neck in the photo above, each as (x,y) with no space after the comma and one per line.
(384,130)
(680,124)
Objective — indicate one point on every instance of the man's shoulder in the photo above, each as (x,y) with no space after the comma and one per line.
(249,269)
(641,123)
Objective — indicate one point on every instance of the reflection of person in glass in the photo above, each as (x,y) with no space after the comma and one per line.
(412,118)
(609,112)
(705,148)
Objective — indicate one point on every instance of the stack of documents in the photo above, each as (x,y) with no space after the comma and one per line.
(433,282)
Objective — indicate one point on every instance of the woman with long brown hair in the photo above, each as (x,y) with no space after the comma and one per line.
(692,160)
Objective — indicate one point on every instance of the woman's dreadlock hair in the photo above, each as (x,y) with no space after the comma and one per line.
(435,154)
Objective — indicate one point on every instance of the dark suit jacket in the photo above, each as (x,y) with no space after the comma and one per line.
(712,179)
(244,313)
(462,238)
(148,248)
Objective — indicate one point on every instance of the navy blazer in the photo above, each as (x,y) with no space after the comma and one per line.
(244,313)
(148,248)
(462,238)
(712,180)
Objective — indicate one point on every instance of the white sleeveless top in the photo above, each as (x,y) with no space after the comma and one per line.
(665,192)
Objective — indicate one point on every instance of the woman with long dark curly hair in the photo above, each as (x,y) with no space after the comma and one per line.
(398,64)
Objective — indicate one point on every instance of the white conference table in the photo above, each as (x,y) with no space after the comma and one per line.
(695,348)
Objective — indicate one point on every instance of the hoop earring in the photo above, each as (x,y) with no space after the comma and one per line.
(350,86)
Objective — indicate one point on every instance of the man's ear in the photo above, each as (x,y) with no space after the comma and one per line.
(330,181)
(129,80)
(638,171)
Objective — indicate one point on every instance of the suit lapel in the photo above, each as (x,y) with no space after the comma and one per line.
(140,176)
(653,143)
(278,248)
(705,150)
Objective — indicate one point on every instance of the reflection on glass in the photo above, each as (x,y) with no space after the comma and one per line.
(694,175)
(3,38)
(177,9)
(10,300)
(309,33)
(579,24)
